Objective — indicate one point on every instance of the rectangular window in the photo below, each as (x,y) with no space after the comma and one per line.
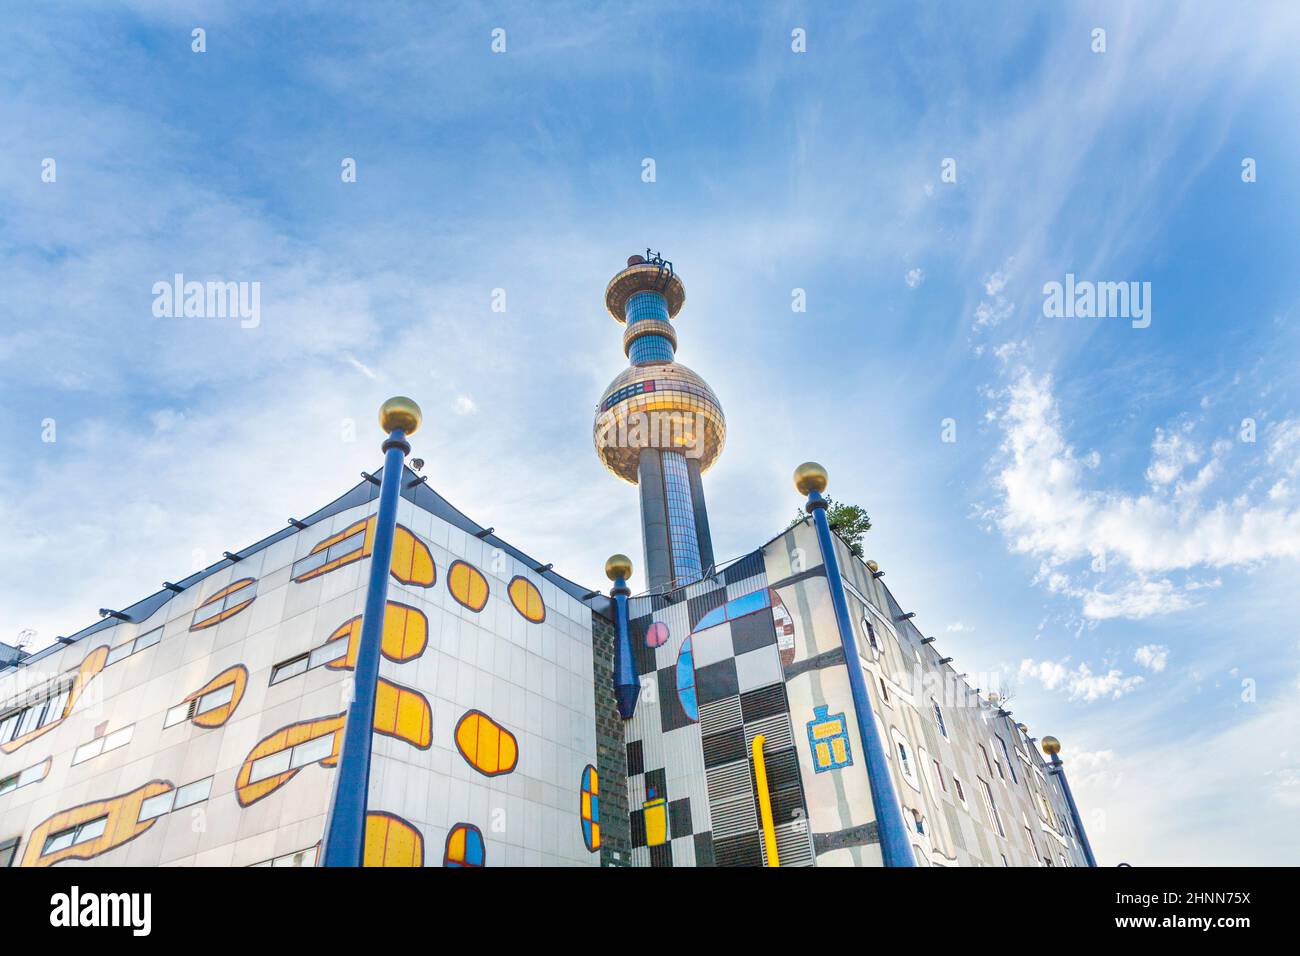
(268,766)
(35,715)
(185,796)
(21,779)
(8,851)
(92,829)
(994,817)
(961,794)
(131,647)
(86,751)
(193,793)
(324,556)
(335,650)
(1011,764)
(59,841)
(312,751)
(102,745)
(205,612)
(938,718)
(290,668)
(328,652)
(1034,846)
(215,699)
(345,547)
(988,765)
(30,719)
(56,705)
(179,714)
(902,759)
(871,636)
(309,563)
(884,690)
(938,775)
(118,653)
(74,835)
(156,806)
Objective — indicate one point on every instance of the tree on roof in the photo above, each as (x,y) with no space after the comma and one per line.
(850,522)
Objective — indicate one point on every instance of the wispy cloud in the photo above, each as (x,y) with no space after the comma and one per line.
(1048,510)
(1079,682)
(1154,657)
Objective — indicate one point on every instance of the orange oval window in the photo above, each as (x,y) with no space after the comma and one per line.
(467,585)
(527,599)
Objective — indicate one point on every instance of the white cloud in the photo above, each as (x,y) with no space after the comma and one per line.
(1046,511)
(1080,683)
(995,282)
(357,364)
(1136,599)
(1154,657)
(1171,452)
(958,627)
(990,314)
(914,278)
(464,405)
(996,308)
(1097,767)
(1284,445)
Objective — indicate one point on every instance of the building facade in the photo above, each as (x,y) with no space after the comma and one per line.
(727,717)
(205,728)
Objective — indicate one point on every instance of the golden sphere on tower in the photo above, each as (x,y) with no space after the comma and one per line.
(618,566)
(400,412)
(873,567)
(809,477)
(667,407)
(1051,746)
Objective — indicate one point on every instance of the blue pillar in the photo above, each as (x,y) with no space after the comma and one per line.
(895,845)
(345,829)
(1058,769)
(626,686)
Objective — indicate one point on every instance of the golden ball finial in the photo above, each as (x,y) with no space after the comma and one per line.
(873,567)
(1051,746)
(810,476)
(400,412)
(618,566)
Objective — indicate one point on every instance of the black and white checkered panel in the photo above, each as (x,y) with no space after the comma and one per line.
(664,755)
(706,768)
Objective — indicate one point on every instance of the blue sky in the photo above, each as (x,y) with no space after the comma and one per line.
(177,439)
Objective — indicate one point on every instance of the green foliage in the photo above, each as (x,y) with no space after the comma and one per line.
(850,522)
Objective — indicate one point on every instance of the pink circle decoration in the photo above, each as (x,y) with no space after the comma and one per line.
(656,634)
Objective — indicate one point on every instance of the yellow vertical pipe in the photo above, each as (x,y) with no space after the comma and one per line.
(765,802)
